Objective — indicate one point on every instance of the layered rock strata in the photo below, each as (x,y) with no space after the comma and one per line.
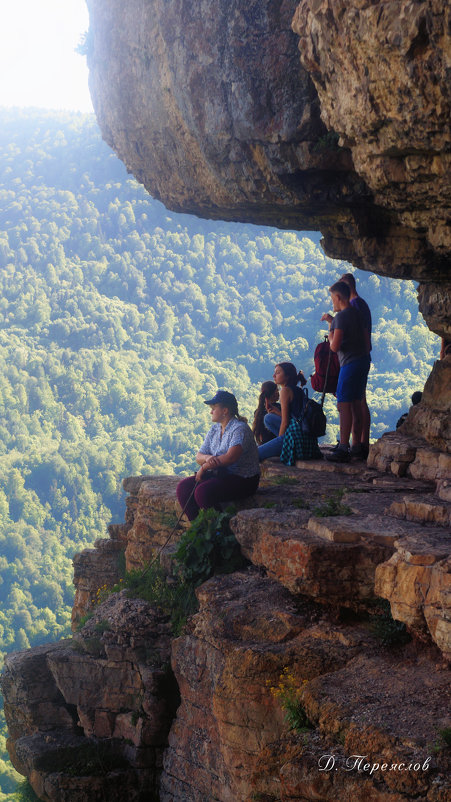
(128,711)
(331,559)
(381,72)
(214,109)
(308,115)
(229,740)
(89,718)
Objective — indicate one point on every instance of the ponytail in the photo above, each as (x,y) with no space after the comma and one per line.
(294,377)
(233,409)
(235,413)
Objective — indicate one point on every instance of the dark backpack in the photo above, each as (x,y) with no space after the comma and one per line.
(313,417)
(325,357)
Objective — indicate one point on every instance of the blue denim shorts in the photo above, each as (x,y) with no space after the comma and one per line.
(352,380)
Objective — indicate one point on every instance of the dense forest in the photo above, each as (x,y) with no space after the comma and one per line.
(117,318)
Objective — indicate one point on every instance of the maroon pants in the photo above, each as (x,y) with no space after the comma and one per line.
(212,491)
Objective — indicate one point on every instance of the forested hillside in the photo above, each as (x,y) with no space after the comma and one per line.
(117,319)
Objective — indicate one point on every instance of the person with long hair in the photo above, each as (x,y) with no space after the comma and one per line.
(267,402)
(292,401)
(228,459)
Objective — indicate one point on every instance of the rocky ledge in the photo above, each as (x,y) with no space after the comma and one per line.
(309,115)
(126,710)
(331,116)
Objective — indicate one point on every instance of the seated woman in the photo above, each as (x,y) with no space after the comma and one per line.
(228,459)
(292,401)
(267,402)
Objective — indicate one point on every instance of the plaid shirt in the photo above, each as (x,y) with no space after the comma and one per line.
(298,444)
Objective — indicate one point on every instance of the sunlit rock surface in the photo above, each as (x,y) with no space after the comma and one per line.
(128,711)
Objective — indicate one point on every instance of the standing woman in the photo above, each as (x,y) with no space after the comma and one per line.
(228,459)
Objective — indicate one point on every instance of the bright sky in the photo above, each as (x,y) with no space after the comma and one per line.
(38,65)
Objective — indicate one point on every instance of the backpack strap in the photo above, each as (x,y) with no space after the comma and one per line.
(327,372)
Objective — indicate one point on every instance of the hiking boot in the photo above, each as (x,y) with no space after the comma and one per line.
(339,455)
(360,452)
(357,453)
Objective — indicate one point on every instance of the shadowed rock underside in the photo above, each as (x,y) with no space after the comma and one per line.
(325,115)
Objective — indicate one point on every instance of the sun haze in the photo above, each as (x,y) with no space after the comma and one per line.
(38,63)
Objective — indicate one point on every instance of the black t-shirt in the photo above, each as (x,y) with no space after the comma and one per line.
(353,345)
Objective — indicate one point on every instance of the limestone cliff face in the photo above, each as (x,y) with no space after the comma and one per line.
(381,70)
(126,711)
(214,109)
(323,114)
(221,110)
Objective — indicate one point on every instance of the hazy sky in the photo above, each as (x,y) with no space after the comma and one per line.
(38,65)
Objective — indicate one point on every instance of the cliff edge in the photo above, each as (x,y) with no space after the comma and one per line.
(130,710)
(331,116)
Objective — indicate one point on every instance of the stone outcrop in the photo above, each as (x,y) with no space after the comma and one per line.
(152,512)
(330,115)
(209,106)
(323,558)
(229,740)
(403,455)
(218,113)
(431,418)
(126,710)
(310,114)
(380,70)
(417,582)
(89,718)
(96,568)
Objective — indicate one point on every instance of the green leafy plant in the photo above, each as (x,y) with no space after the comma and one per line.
(25,793)
(176,598)
(102,626)
(289,694)
(445,735)
(300,503)
(327,142)
(121,563)
(167,519)
(283,480)
(209,547)
(386,629)
(84,620)
(332,505)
